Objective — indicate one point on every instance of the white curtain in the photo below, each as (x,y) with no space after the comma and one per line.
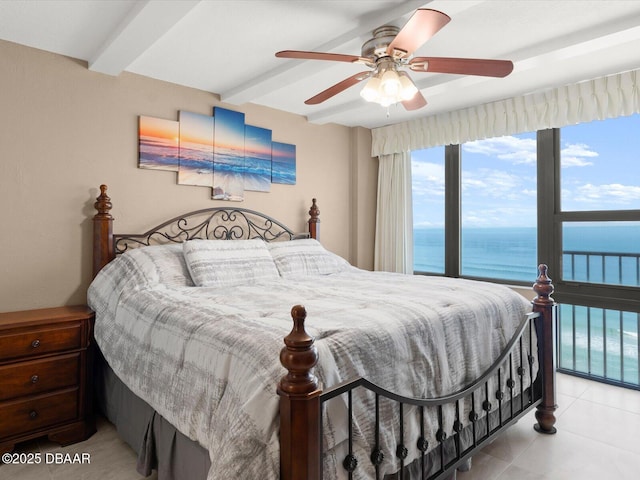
(606,97)
(394,217)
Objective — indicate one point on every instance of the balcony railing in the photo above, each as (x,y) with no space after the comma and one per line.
(602,267)
(601,344)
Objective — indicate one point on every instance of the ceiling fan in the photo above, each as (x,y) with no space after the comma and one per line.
(389,52)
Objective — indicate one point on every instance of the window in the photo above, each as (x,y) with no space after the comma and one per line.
(427,170)
(600,195)
(601,252)
(599,162)
(598,342)
(498,208)
(598,225)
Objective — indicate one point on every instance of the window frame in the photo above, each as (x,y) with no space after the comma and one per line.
(550,219)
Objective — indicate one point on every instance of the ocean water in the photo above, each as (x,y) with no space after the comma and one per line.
(283,172)
(195,165)
(158,154)
(510,252)
(597,341)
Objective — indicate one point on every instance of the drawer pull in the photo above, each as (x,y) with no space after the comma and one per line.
(33,414)
(35,343)
(35,379)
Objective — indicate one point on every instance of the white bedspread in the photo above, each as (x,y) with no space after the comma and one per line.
(207,358)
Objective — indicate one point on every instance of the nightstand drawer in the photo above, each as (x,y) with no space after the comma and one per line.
(37,341)
(38,412)
(37,376)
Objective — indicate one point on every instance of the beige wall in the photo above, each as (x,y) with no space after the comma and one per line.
(64,130)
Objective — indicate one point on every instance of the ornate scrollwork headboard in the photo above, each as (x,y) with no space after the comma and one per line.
(217,223)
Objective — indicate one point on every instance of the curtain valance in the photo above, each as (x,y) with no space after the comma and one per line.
(605,97)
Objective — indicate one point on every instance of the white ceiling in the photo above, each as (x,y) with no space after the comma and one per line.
(227,46)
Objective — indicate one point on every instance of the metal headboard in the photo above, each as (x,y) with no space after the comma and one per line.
(218,223)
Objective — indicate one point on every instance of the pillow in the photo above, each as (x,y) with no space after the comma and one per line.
(228,262)
(305,257)
(138,268)
(153,265)
(169,264)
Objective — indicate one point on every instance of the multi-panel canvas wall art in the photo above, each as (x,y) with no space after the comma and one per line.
(196,149)
(219,151)
(257,144)
(158,143)
(283,166)
(228,155)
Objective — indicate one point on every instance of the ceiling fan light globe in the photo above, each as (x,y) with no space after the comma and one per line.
(371,90)
(408,89)
(390,83)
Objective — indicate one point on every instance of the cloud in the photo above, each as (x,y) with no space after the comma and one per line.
(523,151)
(608,194)
(499,184)
(510,148)
(574,154)
(427,178)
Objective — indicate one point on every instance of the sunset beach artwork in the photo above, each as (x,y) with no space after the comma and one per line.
(219,151)
(158,143)
(257,176)
(228,155)
(283,163)
(196,149)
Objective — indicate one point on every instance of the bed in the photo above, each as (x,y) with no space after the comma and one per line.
(390,376)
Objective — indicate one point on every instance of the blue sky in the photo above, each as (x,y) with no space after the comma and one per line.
(600,171)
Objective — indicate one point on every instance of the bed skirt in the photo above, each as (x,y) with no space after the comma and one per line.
(157,443)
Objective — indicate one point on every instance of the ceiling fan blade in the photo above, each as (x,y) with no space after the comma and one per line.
(422,25)
(462,66)
(335,57)
(418,101)
(337,88)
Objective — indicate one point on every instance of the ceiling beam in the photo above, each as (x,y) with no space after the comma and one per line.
(145,24)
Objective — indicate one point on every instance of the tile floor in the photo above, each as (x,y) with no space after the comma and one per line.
(598,439)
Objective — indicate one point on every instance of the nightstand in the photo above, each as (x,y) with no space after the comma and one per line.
(46,368)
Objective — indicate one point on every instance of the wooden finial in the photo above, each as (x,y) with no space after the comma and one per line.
(103,202)
(102,231)
(314,220)
(299,405)
(298,356)
(543,287)
(314,211)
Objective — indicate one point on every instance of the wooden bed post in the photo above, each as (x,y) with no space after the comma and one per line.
(299,404)
(544,304)
(314,220)
(102,231)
